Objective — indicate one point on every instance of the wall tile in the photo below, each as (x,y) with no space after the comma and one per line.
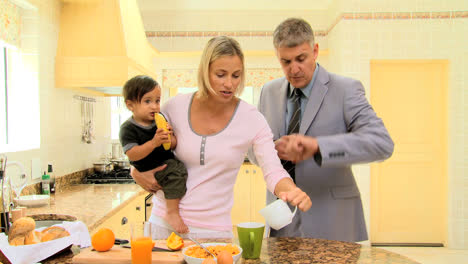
(417,39)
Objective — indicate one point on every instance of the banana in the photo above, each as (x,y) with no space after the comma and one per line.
(162,123)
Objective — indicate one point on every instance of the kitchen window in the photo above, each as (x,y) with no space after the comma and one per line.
(247,95)
(120,113)
(3,96)
(184,90)
(19,100)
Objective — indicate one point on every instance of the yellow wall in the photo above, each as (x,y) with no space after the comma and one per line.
(353,43)
(59,113)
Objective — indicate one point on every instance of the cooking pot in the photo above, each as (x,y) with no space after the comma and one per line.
(117,151)
(121,164)
(103,167)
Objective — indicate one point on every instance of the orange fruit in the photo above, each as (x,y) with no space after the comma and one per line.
(209,261)
(225,257)
(174,242)
(103,239)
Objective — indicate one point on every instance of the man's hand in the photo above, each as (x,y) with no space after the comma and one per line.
(281,145)
(296,147)
(146,179)
(302,147)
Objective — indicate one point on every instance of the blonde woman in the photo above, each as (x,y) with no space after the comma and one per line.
(215,129)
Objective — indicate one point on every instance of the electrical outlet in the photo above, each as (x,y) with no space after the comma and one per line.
(35,168)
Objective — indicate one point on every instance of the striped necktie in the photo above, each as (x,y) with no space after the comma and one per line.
(295,122)
(293,128)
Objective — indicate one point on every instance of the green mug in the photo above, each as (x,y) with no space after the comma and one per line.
(250,239)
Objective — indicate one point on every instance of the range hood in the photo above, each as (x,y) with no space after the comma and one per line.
(101,44)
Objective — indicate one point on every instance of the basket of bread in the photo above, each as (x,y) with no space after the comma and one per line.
(26,244)
(23,233)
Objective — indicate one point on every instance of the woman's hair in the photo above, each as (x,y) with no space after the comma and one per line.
(293,32)
(216,48)
(135,88)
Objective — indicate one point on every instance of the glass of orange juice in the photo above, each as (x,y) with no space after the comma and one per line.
(141,243)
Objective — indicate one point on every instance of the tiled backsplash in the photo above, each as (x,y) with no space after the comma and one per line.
(60,182)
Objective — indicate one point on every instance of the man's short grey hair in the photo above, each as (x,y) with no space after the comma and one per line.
(293,32)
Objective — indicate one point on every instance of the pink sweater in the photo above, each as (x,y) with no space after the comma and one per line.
(213,162)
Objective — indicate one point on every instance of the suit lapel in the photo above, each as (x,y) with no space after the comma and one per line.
(280,97)
(319,90)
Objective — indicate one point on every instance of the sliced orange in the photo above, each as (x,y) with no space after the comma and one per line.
(174,242)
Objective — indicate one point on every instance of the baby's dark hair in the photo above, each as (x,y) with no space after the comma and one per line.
(135,88)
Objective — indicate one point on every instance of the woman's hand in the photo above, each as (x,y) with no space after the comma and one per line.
(146,179)
(296,197)
(287,191)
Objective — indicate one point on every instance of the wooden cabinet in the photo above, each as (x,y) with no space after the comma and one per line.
(249,198)
(249,195)
(258,194)
(119,222)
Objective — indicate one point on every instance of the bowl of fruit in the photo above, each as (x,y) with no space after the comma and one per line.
(226,253)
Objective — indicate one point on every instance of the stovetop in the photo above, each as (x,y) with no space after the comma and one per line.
(115,176)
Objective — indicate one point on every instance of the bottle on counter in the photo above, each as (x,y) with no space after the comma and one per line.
(50,171)
(45,183)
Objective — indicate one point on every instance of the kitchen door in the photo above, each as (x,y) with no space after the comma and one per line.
(409,190)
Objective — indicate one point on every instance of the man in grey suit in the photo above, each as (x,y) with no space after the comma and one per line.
(325,119)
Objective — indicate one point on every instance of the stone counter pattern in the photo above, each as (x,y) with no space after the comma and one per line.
(306,250)
(370,255)
(93,204)
(297,251)
(292,250)
(60,182)
(90,203)
(310,250)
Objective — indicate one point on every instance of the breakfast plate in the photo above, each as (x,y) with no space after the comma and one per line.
(33,200)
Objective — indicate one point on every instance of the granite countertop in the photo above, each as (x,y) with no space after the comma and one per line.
(297,251)
(90,203)
(93,204)
(294,250)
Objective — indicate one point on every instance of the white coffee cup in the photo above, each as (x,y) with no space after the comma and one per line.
(277,214)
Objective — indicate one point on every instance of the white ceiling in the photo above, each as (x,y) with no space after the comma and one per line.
(263,5)
(230,16)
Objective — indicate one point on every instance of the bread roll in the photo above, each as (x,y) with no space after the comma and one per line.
(20,228)
(22,233)
(17,241)
(53,232)
(33,237)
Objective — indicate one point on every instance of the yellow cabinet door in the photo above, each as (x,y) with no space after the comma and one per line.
(241,209)
(249,195)
(258,194)
(133,212)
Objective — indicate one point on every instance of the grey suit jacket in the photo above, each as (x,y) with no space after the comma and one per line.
(348,131)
